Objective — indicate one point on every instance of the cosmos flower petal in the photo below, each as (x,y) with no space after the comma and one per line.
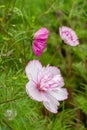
(52,69)
(51,105)
(69,36)
(38,47)
(34,93)
(37,50)
(59,93)
(32,69)
(42,33)
(56,74)
(45,85)
(39,43)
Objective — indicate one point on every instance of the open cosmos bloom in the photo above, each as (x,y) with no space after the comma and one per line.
(45,85)
(39,43)
(69,36)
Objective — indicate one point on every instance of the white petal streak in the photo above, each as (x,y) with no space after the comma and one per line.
(59,93)
(34,93)
(32,69)
(52,104)
(53,70)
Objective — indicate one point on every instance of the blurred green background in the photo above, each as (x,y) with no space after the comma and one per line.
(19,20)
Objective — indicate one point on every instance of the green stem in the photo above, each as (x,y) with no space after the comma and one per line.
(5,122)
(71,11)
(7,101)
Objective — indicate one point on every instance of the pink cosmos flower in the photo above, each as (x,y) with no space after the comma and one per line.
(39,43)
(45,85)
(69,36)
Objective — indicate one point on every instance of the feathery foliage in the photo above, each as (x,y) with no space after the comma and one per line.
(19,20)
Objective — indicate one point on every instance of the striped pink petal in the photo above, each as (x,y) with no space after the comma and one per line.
(68,36)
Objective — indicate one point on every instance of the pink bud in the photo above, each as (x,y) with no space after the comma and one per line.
(68,35)
(39,43)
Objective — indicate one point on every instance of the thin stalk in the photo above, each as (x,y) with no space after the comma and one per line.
(5,122)
(11,100)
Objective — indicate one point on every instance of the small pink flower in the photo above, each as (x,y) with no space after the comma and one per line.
(39,43)
(45,85)
(69,36)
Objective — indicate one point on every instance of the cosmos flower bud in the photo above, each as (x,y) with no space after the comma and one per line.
(39,43)
(45,85)
(68,36)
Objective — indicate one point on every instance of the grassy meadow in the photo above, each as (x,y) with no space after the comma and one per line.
(19,20)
